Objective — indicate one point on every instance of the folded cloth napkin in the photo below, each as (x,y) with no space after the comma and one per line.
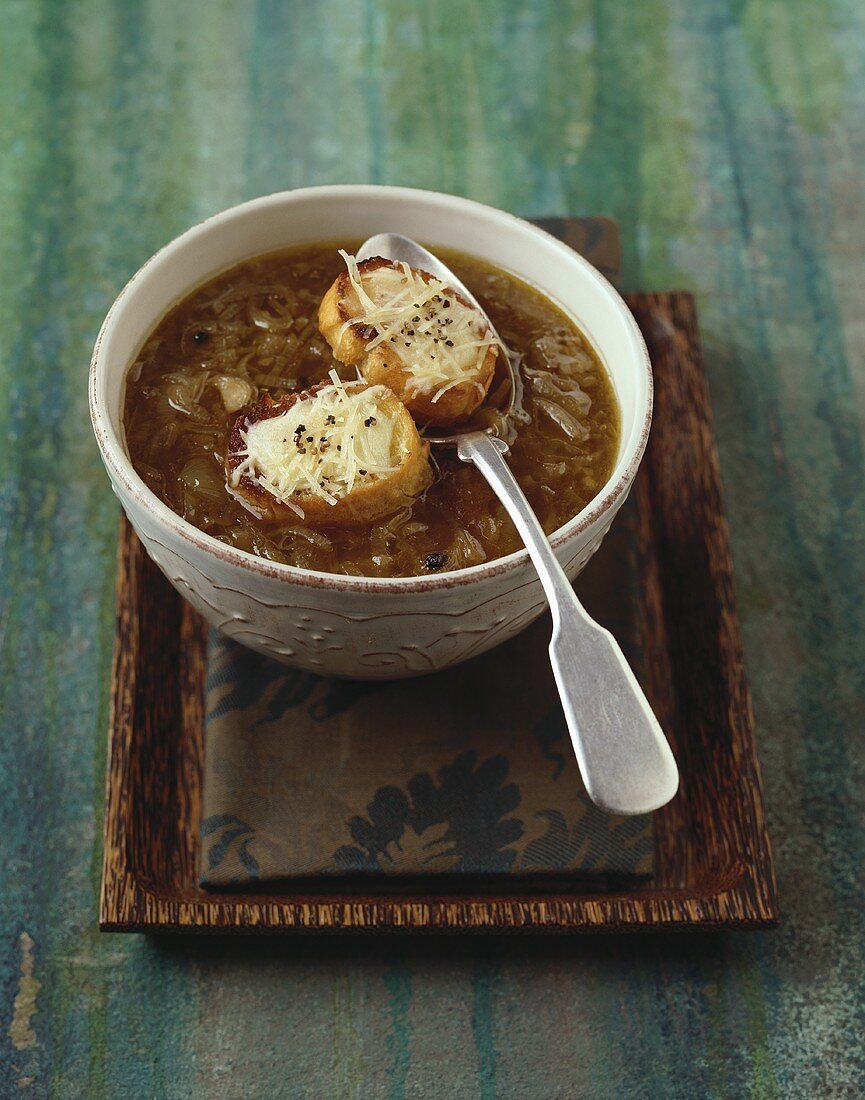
(466,772)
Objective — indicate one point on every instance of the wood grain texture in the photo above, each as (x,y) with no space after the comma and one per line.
(714,864)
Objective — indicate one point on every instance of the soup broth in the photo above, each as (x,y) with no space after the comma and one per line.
(253,330)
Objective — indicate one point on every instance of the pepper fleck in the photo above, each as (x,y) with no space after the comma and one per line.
(201,337)
(436,561)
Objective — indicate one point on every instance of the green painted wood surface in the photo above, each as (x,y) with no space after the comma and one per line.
(727,136)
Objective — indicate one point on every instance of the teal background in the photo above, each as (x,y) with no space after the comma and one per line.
(728,139)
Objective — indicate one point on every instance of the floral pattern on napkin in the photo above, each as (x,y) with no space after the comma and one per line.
(451,774)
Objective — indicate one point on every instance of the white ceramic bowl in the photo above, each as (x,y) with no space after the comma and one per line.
(348,626)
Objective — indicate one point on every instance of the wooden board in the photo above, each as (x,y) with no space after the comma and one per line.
(713,860)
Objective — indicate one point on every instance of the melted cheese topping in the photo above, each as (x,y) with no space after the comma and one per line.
(440,341)
(323,446)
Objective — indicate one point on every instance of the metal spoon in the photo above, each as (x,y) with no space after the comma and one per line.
(624,758)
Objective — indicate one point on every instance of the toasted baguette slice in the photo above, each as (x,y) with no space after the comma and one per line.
(337,453)
(404,329)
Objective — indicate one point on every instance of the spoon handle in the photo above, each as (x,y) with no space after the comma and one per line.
(622,753)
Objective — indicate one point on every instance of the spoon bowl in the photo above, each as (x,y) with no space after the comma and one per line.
(400,249)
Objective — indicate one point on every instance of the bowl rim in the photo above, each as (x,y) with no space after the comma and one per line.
(120,466)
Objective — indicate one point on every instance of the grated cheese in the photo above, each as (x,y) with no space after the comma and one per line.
(323,445)
(440,341)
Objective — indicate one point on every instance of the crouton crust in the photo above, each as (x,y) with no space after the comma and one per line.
(368,500)
(383,364)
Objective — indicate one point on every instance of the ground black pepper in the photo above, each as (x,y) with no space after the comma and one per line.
(436,561)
